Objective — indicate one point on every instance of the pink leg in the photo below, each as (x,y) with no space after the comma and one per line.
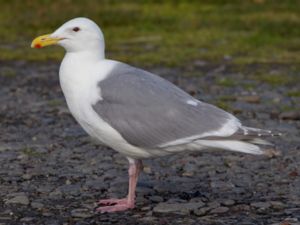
(114,205)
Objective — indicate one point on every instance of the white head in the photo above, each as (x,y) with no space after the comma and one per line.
(79,34)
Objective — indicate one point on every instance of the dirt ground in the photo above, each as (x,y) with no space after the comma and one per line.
(52,173)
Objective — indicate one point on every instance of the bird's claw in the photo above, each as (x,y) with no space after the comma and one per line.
(114,205)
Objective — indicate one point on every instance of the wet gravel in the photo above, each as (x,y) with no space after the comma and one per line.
(52,173)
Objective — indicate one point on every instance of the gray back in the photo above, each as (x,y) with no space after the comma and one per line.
(149,111)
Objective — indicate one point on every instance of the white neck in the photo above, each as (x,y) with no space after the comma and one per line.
(90,56)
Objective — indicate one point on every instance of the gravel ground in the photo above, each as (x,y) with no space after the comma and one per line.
(52,173)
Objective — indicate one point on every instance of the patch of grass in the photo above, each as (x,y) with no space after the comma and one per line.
(275,79)
(8,72)
(223,105)
(55,102)
(248,86)
(171,33)
(295,93)
(226,82)
(227,98)
(31,152)
(287,108)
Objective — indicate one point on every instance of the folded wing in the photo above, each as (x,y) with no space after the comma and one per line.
(151,112)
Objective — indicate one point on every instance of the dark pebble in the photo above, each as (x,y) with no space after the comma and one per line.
(293,115)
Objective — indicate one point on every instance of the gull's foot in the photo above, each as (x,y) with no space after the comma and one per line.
(113,201)
(114,205)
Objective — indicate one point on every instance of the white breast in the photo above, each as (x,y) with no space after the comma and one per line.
(79,82)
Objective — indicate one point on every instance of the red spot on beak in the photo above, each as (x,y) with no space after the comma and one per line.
(37,46)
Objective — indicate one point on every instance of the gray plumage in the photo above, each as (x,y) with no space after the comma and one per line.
(149,111)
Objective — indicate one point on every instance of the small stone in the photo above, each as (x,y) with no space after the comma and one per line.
(213,205)
(21,199)
(70,189)
(197,199)
(55,194)
(292,115)
(27,176)
(146,191)
(188,174)
(5,218)
(228,202)
(45,189)
(47,214)
(240,208)
(7,212)
(220,210)
(291,219)
(156,199)
(200,63)
(291,211)
(81,213)
(220,185)
(250,99)
(146,208)
(176,200)
(96,184)
(202,211)
(177,208)
(263,205)
(191,89)
(68,182)
(141,201)
(37,205)
(147,170)
(26,219)
(272,153)
(277,205)
(148,219)
(274,115)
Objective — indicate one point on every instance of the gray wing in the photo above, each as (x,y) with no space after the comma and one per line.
(149,111)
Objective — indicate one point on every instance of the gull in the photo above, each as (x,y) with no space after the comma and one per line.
(135,112)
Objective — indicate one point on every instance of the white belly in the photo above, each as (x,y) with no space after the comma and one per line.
(100,130)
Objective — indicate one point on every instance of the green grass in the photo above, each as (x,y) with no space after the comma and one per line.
(277,79)
(8,72)
(55,102)
(31,152)
(227,98)
(295,93)
(226,82)
(170,33)
(223,105)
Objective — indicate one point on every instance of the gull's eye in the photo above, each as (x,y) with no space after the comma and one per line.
(76,29)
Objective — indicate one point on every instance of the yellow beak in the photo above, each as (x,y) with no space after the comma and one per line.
(44,40)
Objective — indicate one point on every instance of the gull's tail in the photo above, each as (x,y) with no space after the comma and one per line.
(246,139)
(255,132)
